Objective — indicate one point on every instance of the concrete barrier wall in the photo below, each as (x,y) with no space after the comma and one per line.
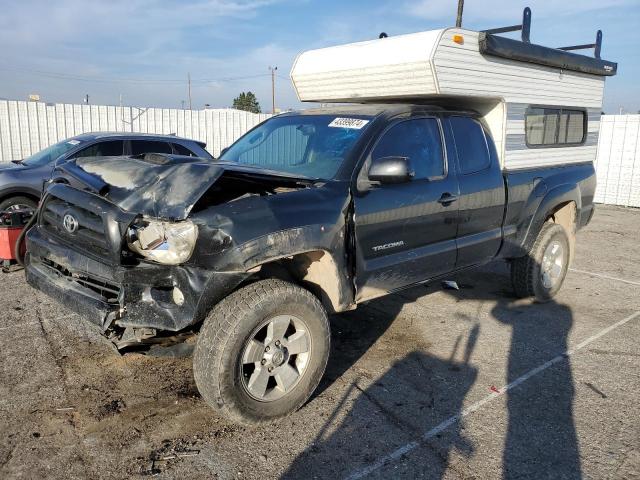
(27,127)
(618,160)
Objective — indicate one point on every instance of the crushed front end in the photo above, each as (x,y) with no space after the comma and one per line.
(78,254)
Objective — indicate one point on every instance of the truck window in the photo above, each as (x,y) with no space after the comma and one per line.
(554,126)
(419,140)
(286,146)
(312,146)
(471,145)
(109,148)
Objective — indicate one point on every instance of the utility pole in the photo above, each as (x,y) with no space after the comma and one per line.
(273,89)
(189,81)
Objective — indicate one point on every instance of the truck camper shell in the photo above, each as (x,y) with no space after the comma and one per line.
(534,98)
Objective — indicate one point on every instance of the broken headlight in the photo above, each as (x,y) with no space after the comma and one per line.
(163,242)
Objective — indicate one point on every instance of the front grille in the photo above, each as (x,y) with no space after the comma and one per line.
(108,291)
(90,234)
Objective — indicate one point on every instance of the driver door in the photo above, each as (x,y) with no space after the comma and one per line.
(406,233)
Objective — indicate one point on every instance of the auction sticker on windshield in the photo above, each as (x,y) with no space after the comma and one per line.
(355,123)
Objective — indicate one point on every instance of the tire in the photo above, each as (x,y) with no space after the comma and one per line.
(227,363)
(18,201)
(534,275)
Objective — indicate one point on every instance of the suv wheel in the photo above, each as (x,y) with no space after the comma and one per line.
(16,203)
(262,351)
(541,273)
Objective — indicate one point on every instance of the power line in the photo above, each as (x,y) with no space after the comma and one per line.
(145,81)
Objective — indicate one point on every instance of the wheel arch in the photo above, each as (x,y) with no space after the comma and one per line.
(317,271)
(561,205)
(20,192)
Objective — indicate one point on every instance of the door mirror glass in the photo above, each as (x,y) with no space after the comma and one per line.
(388,170)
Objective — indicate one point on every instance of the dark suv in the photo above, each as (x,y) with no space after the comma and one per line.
(22,181)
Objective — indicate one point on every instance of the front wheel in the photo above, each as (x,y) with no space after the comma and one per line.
(541,273)
(262,351)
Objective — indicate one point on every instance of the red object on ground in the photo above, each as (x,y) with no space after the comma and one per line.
(8,238)
(11,224)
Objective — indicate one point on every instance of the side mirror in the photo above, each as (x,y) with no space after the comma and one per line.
(223,151)
(390,170)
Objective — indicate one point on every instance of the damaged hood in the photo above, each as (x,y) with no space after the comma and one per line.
(156,186)
(160,186)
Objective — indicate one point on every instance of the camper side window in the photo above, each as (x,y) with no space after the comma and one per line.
(548,127)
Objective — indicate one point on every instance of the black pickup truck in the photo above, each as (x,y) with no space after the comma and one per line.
(307,214)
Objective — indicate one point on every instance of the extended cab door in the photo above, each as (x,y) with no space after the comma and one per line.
(482,192)
(405,233)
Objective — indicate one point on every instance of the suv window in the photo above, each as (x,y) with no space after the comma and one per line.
(419,140)
(110,148)
(471,145)
(182,150)
(149,146)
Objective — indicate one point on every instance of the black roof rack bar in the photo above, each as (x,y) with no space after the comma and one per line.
(596,46)
(525,27)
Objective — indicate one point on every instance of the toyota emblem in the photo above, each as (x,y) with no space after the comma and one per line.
(70,223)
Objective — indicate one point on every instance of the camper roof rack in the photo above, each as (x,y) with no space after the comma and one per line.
(525,51)
(525,26)
(596,46)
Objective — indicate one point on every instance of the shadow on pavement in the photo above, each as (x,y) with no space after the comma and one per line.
(420,391)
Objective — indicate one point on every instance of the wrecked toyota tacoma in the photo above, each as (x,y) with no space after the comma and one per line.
(309,213)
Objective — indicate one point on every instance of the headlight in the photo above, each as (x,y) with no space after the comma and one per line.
(163,242)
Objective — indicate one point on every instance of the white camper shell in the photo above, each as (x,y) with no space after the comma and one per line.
(503,79)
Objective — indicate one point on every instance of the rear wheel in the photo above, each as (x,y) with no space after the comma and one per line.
(17,203)
(541,273)
(262,351)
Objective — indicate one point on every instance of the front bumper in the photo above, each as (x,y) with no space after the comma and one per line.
(137,296)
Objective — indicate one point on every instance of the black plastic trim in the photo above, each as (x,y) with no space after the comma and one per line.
(551,57)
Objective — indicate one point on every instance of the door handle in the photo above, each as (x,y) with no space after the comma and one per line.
(447,199)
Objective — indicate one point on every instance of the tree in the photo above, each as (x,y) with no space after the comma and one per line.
(247,102)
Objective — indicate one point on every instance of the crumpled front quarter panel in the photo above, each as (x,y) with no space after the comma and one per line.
(247,232)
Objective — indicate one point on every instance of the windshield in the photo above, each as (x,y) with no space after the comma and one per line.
(311,146)
(51,153)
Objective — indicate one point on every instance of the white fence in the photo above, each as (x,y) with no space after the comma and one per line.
(618,161)
(27,127)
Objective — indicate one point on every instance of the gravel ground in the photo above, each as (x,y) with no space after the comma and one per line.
(429,383)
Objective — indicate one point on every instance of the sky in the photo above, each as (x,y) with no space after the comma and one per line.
(143,50)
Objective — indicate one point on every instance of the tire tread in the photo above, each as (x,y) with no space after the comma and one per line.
(218,331)
(523,269)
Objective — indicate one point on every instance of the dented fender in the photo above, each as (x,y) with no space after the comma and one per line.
(232,236)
